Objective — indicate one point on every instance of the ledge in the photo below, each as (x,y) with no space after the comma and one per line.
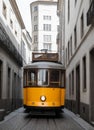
(7,45)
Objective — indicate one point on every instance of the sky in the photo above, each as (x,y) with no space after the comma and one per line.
(24,7)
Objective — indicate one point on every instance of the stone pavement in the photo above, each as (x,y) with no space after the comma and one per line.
(19,120)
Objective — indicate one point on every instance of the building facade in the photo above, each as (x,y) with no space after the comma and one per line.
(60,36)
(79,57)
(44,25)
(26,47)
(11,55)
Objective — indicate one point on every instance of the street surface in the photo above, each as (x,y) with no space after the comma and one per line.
(19,120)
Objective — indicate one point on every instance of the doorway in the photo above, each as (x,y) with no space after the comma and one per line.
(92,84)
(78,89)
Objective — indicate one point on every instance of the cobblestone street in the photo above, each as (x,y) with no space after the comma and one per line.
(19,120)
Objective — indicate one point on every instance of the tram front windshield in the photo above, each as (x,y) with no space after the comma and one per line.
(43,77)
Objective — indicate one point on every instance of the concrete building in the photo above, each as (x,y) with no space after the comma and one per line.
(60,37)
(26,47)
(44,25)
(11,55)
(79,56)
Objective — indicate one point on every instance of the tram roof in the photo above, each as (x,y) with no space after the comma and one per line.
(45,65)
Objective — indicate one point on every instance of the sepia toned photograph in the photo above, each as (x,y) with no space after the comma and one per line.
(46,64)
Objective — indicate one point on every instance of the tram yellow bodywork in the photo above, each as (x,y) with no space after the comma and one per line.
(54,97)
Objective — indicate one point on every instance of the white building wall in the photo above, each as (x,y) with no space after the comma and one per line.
(11,74)
(45,9)
(7,62)
(26,41)
(83,44)
(78,102)
(14,32)
(61,31)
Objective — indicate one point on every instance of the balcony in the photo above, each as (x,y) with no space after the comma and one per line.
(90,14)
(8,46)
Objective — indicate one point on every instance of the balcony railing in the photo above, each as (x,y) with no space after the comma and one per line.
(90,14)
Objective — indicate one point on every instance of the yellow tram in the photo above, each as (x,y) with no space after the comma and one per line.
(44,83)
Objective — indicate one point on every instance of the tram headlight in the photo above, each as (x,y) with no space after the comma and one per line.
(42,98)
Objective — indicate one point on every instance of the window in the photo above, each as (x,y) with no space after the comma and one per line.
(82,25)
(46,17)
(43,77)
(35,27)
(75,2)
(47,46)
(35,18)
(15,32)
(68,10)
(30,77)
(35,38)
(11,23)
(47,27)
(47,38)
(54,78)
(84,73)
(35,8)
(4,10)
(1,78)
(11,15)
(75,37)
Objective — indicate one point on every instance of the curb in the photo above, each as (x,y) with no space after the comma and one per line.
(79,120)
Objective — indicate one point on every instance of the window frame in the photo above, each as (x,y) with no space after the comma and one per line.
(53,83)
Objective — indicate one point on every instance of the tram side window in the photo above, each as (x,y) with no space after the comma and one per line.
(54,78)
(31,78)
(63,80)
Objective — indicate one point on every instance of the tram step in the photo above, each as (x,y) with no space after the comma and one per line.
(46,113)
